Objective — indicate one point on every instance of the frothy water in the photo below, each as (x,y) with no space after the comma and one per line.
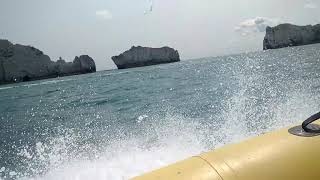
(119,124)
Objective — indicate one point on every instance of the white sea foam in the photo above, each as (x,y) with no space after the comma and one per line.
(176,139)
(46,82)
(4,88)
(117,73)
(141,118)
(55,81)
(167,140)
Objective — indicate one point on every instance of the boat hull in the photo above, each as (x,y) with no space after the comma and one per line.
(276,155)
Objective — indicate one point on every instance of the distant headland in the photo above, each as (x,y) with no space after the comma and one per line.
(145,56)
(20,63)
(287,35)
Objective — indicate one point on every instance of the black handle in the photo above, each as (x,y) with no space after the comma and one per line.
(309,121)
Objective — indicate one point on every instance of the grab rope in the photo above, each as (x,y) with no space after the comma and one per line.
(310,120)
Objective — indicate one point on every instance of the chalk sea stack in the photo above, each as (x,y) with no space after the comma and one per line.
(145,56)
(286,35)
(24,63)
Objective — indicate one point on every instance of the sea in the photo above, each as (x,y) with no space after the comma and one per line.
(117,124)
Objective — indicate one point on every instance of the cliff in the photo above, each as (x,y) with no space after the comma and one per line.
(24,63)
(286,35)
(145,56)
(80,65)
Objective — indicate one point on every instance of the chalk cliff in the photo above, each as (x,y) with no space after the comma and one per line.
(145,56)
(24,63)
(286,35)
(80,65)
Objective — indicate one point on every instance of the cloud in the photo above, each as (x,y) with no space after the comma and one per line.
(104,14)
(310,4)
(255,25)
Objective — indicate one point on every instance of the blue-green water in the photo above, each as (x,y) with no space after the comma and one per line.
(120,123)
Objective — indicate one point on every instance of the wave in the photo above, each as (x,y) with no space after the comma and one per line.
(47,82)
(4,88)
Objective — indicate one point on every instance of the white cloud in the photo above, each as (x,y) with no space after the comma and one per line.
(310,4)
(105,14)
(255,25)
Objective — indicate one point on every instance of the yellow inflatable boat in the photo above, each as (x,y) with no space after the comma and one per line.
(287,154)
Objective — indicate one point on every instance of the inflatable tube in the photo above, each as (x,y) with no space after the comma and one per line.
(278,155)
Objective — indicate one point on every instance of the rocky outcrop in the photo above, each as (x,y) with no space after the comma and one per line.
(24,63)
(145,56)
(286,35)
(80,65)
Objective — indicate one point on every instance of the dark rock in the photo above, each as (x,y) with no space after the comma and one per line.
(25,63)
(145,56)
(286,35)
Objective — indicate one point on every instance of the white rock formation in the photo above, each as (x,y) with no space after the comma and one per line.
(286,35)
(80,65)
(145,56)
(23,63)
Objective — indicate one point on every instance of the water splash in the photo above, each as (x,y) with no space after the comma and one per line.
(163,141)
(119,126)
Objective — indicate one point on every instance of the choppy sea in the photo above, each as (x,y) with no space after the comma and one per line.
(120,123)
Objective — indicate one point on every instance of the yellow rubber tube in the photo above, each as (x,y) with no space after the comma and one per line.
(277,155)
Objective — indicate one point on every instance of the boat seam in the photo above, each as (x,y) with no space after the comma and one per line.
(210,165)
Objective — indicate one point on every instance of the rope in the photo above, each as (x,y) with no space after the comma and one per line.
(310,120)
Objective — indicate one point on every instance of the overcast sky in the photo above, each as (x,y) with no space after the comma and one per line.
(103,28)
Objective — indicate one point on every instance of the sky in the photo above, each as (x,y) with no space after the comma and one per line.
(104,28)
